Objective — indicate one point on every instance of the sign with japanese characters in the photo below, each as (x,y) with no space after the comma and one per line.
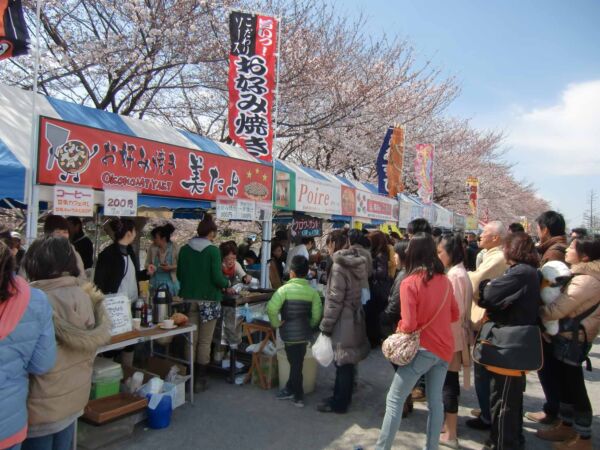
(305,226)
(120,203)
(78,155)
(228,209)
(376,207)
(390,163)
(252,82)
(73,201)
(318,196)
(348,201)
(118,308)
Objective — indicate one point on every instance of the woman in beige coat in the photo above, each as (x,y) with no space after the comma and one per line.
(578,312)
(58,398)
(452,254)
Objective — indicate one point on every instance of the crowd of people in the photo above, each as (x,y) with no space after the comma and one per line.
(455,290)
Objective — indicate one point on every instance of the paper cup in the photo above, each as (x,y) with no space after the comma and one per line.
(136,323)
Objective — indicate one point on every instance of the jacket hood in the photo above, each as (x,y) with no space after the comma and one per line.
(199,244)
(591,268)
(352,261)
(69,335)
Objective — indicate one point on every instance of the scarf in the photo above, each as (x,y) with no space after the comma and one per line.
(13,308)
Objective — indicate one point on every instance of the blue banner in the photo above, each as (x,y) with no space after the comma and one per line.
(382,162)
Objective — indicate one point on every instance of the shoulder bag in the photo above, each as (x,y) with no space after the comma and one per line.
(401,348)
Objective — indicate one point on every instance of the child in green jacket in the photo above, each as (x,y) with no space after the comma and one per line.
(301,310)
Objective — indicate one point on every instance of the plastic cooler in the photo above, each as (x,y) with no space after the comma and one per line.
(106,378)
(309,370)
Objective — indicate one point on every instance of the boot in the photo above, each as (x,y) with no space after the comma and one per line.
(557,433)
(574,444)
(200,378)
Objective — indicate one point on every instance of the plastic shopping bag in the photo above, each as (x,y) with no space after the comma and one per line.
(322,350)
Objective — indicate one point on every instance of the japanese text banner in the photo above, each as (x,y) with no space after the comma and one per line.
(424,172)
(78,155)
(390,163)
(252,82)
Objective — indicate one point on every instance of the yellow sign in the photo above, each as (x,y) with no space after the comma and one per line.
(357,225)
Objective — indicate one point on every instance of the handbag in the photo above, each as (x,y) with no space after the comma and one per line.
(509,347)
(571,350)
(401,348)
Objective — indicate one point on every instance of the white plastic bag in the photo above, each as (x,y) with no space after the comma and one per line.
(322,350)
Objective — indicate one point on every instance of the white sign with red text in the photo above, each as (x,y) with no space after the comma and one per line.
(73,201)
(318,197)
(375,206)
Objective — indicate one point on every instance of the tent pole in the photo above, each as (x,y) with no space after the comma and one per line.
(31,190)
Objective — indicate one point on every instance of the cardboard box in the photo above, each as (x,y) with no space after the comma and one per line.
(269,368)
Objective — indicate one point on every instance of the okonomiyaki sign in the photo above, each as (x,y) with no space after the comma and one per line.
(74,154)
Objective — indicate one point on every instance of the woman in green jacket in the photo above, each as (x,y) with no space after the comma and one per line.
(202,281)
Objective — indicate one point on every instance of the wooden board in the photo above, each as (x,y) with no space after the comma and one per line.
(110,408)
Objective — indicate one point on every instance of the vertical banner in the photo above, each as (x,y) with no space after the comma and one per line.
(252,82)
(390,162)
(424,172)
(14,40)
(473,192)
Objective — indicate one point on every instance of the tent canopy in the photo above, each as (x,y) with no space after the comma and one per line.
(16,130)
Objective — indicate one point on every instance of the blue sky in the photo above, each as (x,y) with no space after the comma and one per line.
(528,68)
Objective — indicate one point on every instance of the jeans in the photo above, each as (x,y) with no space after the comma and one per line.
(342,389)
(483,381)
(63,440)
(295,355)
(575,406)
(434,369)
(549,380)
(507,411)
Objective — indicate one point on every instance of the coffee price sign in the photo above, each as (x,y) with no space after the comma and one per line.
(118,308)
(120,203)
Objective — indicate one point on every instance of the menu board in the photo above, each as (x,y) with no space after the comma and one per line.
(118,308)
(305,226)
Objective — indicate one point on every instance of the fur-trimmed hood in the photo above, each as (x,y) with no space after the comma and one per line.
(80,319)
(352,261)
(591,268)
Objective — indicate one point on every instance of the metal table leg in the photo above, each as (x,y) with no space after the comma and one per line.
(191,363)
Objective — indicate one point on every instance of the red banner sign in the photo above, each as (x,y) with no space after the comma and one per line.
(79,155)
(252,82)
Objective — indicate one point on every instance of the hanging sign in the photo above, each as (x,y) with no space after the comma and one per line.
(305,226)
(376,207)
(252,82)
(226,209)
(73,201)
(390,162)
(424,172)
(318,197)
(348,201)
(14,39)
(264,211)
(79,155)
(120,203)
(246,210)
(118,308)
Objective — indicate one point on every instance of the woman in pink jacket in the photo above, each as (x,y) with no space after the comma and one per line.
(452,254)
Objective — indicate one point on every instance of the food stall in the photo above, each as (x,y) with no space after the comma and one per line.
(90,160)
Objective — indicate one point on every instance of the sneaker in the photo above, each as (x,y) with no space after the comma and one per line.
(476,412)
(574,444)
(299,403)
(453,443)
(557,433)
(541,417)
(284,394)
(478,424)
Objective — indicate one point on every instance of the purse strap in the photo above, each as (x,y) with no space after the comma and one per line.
(439,309)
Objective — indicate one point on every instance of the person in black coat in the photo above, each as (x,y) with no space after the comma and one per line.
(390,316)
(81,242)
(511,300)
(380,284)
(118,269)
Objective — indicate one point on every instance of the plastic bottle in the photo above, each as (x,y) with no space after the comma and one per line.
(144,321)
(137,308)
(149,315)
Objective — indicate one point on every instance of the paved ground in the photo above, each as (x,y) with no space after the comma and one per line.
(246,417)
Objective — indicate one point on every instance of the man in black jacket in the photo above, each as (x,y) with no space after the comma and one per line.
(80,241)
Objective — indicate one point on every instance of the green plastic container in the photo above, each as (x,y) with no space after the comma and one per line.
(105,388)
